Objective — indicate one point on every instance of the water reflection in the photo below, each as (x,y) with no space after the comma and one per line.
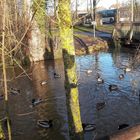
(24,117)
(121,106)
(53,93)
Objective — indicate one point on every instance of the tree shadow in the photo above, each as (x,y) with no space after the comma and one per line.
(70,85)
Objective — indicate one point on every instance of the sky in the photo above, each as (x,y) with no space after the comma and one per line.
(108,3)
(104,3)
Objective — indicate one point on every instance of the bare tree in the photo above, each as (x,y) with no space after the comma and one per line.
(4,70)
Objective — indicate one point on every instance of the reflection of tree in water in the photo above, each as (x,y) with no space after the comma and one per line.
(52,93)
(132,61)
(116,54)
(136,58)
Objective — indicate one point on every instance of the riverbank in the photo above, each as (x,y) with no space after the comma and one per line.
(86,43)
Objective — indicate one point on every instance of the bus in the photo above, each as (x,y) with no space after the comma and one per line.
(108,16)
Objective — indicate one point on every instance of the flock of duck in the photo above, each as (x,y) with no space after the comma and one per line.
(12,91)
(99,106)
(111,87)
(56,75)
(49,123)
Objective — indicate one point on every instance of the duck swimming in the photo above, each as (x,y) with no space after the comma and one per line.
(122,126)
(88,127)
(56,75)
(113,87)
(36,101)
(43,83)
(100,105)
(100,80)
(121,76)
(45,123)
(89,71)
(14,91)
(127,69)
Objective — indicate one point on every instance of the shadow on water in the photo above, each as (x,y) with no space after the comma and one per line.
(53,94)
(24,117)
(71,86)
(121,106)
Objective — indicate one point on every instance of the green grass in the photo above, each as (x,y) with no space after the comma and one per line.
(104,28)
(82,28)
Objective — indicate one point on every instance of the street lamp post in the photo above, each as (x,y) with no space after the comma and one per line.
(132,10)
(94,17)
(94,25)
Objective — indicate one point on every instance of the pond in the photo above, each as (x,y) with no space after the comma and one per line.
(121,106)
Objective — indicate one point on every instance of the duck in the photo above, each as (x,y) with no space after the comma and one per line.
(89,71)
(127,69)
(121,76)
(43,83)
(36,101)
(113,87)
(56,75)
(100,105)
(122,126)
(14,91)
(45,123)
(100,80)
(88,127)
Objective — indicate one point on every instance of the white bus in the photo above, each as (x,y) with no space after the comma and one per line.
(108,16)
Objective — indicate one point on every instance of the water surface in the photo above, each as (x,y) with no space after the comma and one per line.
(121,106)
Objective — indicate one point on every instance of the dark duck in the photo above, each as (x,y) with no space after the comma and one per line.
(14,91)
(113,87)
(36,101)
(100,80)
(45,123)
(122,126)
(56,75)
(88,127)
(121,76)
(100,105)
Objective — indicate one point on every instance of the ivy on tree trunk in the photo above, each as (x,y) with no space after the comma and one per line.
(67,44)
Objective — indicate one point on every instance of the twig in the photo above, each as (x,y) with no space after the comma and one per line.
(25,114)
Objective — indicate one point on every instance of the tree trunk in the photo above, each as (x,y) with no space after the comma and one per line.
(53,49)
(4,74)
(36,34)
(94,10)
(66,37)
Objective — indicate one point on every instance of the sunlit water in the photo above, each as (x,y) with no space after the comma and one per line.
(121,106)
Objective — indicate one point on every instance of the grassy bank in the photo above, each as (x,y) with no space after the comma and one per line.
(108,28)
